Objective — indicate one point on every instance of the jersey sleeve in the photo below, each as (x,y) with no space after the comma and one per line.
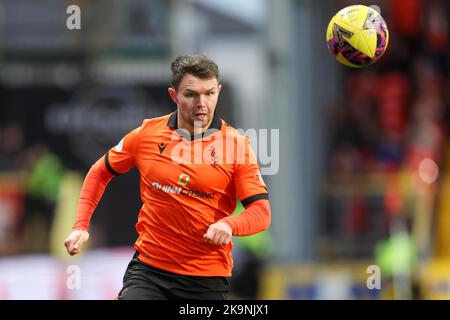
(121,158)
(94,185)
(248,181)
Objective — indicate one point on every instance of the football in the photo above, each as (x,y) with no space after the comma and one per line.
(357,36)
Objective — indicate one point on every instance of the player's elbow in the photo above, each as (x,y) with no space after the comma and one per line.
(99,170)
(266,215)
(268,218)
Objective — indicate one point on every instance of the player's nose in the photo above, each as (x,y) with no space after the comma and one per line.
(201,101)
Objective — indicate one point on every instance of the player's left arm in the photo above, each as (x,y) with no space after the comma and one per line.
(257,214)
(255,218)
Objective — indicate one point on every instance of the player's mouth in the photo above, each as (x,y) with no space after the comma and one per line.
(200,116)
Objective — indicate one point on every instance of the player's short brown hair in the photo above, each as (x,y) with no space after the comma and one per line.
(198,65)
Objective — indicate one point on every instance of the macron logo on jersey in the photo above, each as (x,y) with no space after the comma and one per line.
(119,146)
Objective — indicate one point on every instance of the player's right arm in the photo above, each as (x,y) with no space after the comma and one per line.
(116,161)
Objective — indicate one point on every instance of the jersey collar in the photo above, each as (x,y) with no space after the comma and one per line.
(215,125)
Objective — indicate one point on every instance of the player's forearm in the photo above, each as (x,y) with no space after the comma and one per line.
(255,218)
(92,191)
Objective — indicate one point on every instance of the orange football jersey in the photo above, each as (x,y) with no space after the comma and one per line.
(187,183)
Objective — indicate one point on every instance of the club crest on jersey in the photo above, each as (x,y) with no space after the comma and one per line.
(213,159)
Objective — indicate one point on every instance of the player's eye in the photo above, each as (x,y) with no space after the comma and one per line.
(189,95)
(211,93)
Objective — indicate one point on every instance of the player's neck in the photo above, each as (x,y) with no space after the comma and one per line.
(195,128)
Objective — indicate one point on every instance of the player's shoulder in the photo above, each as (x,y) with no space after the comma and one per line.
(156,122)
(231,131)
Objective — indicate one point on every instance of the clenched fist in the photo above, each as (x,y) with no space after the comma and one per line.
(218,233)
(75,240)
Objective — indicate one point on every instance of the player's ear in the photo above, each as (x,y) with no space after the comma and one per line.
(173,94)
(219,87)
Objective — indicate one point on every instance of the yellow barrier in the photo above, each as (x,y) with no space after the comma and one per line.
(319,281)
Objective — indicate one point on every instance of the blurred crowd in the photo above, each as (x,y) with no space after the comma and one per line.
(30,177)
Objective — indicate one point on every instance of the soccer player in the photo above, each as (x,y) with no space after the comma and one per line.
(189,181)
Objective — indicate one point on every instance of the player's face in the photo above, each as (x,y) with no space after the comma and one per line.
(196,101)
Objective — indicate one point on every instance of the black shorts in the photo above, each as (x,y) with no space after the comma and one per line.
(144,282)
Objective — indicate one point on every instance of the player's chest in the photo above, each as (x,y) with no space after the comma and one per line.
(192,165)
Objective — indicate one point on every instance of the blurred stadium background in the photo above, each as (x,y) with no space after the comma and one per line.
(363,173)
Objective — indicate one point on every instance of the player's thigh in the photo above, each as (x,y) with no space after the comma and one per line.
(140,284)
(199,288)
(140,291)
